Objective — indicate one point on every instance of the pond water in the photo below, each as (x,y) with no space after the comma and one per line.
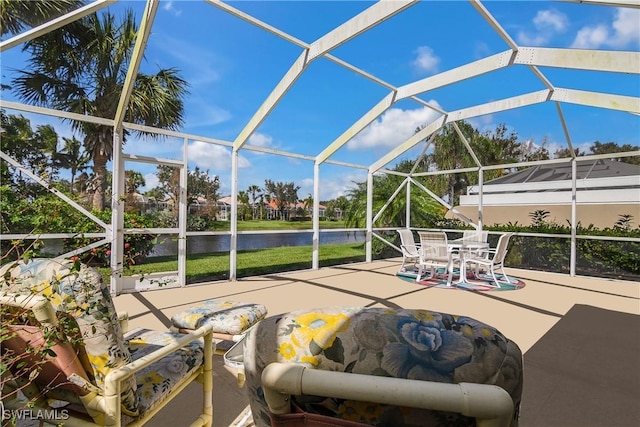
(206,244)
(168,245)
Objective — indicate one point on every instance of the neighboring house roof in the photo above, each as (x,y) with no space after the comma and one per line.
(605,189)
(601,168)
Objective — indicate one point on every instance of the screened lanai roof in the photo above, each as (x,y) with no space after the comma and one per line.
(543,70)
(280,89)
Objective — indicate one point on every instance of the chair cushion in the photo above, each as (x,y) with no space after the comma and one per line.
(157,380)
(226,317)
(84,295)
(413,344)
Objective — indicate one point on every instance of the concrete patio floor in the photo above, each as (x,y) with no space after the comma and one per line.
(523,315)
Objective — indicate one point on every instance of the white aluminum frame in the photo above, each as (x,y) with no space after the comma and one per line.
(515,55)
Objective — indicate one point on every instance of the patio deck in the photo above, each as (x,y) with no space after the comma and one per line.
(525,316)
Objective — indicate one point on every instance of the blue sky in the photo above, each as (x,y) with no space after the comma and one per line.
(232,66)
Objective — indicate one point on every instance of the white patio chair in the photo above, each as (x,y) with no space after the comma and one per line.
(409,248)
(495,258)
(434,253)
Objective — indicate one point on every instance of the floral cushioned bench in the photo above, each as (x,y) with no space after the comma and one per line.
(84,295)
(402,343)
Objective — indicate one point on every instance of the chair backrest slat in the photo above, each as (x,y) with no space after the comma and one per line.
(407,241)
(433,244)
(501,248)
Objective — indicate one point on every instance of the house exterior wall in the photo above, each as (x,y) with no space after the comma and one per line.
(600,215)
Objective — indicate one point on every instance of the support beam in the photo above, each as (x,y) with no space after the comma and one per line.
(273,99)
(580,59)
(355,128)
(409,143)
(357,25)
(596,99)
(494,24)
(464,72)
(315,258)
(53,190)
(136,58)
(233,244)
(117,214)
(565,129)
(368,255)
(182,215)
(615,3)
(500,105)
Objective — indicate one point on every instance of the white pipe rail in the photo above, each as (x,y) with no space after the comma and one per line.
(489,404)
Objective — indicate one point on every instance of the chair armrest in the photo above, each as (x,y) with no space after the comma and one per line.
(123,319)
(489,404)
(117,375)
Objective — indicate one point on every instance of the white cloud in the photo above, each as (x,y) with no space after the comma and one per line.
(547,23)
(213,157)
(392,128)
(339,185)
(260,140)
(626,27)
(623,31)
(591,37)
(426,61)
(170,7)
(550,20)
(151,181)
(331,187)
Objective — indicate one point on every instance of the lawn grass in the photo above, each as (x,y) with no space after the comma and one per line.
(255,262)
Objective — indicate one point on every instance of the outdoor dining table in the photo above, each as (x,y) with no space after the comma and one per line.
(465,247)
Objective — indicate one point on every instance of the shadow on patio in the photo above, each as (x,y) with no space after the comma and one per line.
(578,334)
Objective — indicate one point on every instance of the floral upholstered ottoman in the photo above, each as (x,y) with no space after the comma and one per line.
(230,319)
(401,343)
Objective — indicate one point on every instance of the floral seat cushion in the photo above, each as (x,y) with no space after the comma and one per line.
(157,380)
(413,344)
(84,295)
(226,317)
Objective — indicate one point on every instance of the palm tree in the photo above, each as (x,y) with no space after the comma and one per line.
(254,191)
(75,158)
(17,15)
(308,205)
(81,68)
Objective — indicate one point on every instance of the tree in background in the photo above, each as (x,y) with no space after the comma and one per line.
(81,68)
(19,15)
(200,185)
(449,152)
(283,194)
(75,158)
(255,192)
(424,209)
(612,147)
(244,210)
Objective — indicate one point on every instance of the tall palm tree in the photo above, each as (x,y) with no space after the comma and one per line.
(254,191)
(75,158)
(17,15)
(81,68)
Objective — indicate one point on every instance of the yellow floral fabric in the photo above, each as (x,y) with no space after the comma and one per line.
(226,317)
(413,344)
(83,294)
(158,379)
